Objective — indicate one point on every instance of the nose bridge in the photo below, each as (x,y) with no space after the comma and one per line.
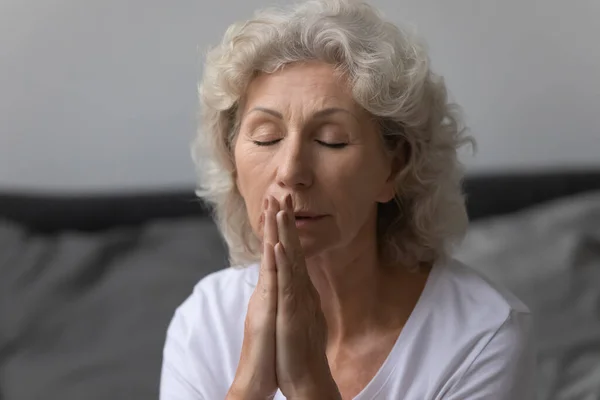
(295,168)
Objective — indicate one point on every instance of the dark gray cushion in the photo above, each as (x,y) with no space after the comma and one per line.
(549,256)
(84,316)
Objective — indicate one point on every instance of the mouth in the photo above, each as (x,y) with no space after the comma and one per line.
(307,220)
(303,216)
(299,217)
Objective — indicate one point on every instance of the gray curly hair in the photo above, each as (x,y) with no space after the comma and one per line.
(390,77)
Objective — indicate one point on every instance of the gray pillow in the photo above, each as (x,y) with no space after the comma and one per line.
(84,316)
(549,256)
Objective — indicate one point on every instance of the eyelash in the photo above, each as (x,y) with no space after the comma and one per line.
(267,143)
(330,145)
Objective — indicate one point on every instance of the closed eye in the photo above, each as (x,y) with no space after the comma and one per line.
(267,143)
(332,145)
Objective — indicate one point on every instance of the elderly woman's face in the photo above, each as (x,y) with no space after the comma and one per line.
(302,133)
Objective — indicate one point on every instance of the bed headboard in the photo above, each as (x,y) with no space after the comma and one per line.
(496,194)
(487,195)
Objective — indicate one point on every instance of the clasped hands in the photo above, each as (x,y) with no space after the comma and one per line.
(285,333)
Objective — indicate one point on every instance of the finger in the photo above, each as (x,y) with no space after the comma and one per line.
(267,278)
(270,234)
(284,274)
(288,236)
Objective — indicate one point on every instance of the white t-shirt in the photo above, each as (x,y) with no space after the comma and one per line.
(466,339)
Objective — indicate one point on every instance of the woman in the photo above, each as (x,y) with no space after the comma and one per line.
(329,153)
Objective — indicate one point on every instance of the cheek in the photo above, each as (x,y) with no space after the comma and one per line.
(375,174)
(251,180)
(356,185)
(248,163)
(361,175)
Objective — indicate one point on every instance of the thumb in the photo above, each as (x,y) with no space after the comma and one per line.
(267,279)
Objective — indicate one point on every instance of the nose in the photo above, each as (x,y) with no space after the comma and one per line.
(295,170)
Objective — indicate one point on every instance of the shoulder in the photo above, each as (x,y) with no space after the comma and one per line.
(222,294)
(465,287)
(221,283)
(489,332)
(478,306)
(203,340)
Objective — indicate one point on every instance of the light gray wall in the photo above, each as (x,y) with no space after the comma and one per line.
(102,94)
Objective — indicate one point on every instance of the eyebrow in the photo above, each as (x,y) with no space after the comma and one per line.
(319,114)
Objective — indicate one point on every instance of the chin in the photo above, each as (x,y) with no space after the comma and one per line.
(314,245)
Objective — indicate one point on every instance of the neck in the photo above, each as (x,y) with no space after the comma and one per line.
(358,295)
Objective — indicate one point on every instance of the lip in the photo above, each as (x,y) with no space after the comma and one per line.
(307,215)
(305,221)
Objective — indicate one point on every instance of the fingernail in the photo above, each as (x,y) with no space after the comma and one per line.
(283,215)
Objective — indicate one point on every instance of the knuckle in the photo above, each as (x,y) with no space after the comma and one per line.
(292,303)
(264,291)
(288,292)
(257,320)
